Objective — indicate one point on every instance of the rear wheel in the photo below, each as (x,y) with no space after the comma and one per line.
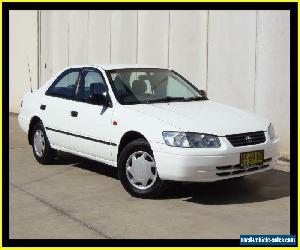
(137,170)
(42,150)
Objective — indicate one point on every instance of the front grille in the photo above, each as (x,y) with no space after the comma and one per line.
(246,139)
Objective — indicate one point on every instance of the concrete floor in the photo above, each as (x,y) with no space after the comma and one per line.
(77,198)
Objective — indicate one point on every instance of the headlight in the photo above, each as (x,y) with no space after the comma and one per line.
(191,140)
(271,131)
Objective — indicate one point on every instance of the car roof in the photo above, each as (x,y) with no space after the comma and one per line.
(119,66)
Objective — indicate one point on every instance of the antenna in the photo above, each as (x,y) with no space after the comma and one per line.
(29,74)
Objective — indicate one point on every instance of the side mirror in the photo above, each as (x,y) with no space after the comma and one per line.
(98,94)
(203,93)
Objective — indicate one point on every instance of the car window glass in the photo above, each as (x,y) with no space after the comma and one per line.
(89,78)
(137,78)
(175,89)
(65,87)
(148,85)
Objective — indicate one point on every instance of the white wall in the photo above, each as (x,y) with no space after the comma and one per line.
(272,86)
(45,44)
(59,40)
(153,32)
(240,57)
(187,46)
(78,35)
(22,49)
(99,36)
(231,57)
(124,36)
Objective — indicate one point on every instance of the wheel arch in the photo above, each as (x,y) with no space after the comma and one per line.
(32,122)
(128,137)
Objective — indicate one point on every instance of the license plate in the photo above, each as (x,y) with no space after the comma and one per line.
(254,158)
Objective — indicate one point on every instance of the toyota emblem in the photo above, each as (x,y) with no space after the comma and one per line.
(248,138)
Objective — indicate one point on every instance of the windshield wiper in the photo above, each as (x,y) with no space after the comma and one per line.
(166,99)
(195,98)
(172,99)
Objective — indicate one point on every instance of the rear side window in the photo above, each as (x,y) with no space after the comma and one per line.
(64,86)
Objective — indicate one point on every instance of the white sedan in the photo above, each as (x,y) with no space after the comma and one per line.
(149,122)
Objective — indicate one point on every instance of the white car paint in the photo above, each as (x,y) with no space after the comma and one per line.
(150,120)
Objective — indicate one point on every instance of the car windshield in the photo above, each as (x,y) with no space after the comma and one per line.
(135,86)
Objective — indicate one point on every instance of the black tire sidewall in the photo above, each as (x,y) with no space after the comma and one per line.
(134,146)
(48,152)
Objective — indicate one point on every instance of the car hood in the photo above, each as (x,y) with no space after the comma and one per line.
(204,117)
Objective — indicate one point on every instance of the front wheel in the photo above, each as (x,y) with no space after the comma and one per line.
(137,170)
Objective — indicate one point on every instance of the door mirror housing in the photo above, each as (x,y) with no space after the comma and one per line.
(99,94)
(203,93)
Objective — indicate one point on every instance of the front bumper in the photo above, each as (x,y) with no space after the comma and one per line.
(207,165)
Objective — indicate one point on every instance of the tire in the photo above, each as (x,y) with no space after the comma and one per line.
(139,150)
(42,150)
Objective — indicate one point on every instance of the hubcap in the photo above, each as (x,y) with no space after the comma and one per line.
(141,170)
(39,143)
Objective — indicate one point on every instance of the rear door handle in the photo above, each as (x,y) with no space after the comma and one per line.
(74,113)
(43,107)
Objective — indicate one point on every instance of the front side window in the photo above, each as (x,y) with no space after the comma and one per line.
(133,86)
(65,85)
(90,78)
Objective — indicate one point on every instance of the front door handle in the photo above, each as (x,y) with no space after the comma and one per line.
(74,113)
(43,107)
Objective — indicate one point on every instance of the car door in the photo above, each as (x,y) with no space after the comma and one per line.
(55,107)
(92,123)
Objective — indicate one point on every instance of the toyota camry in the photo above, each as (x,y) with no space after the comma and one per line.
(151,123)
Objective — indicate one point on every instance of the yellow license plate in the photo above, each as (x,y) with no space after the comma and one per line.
(254,158)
